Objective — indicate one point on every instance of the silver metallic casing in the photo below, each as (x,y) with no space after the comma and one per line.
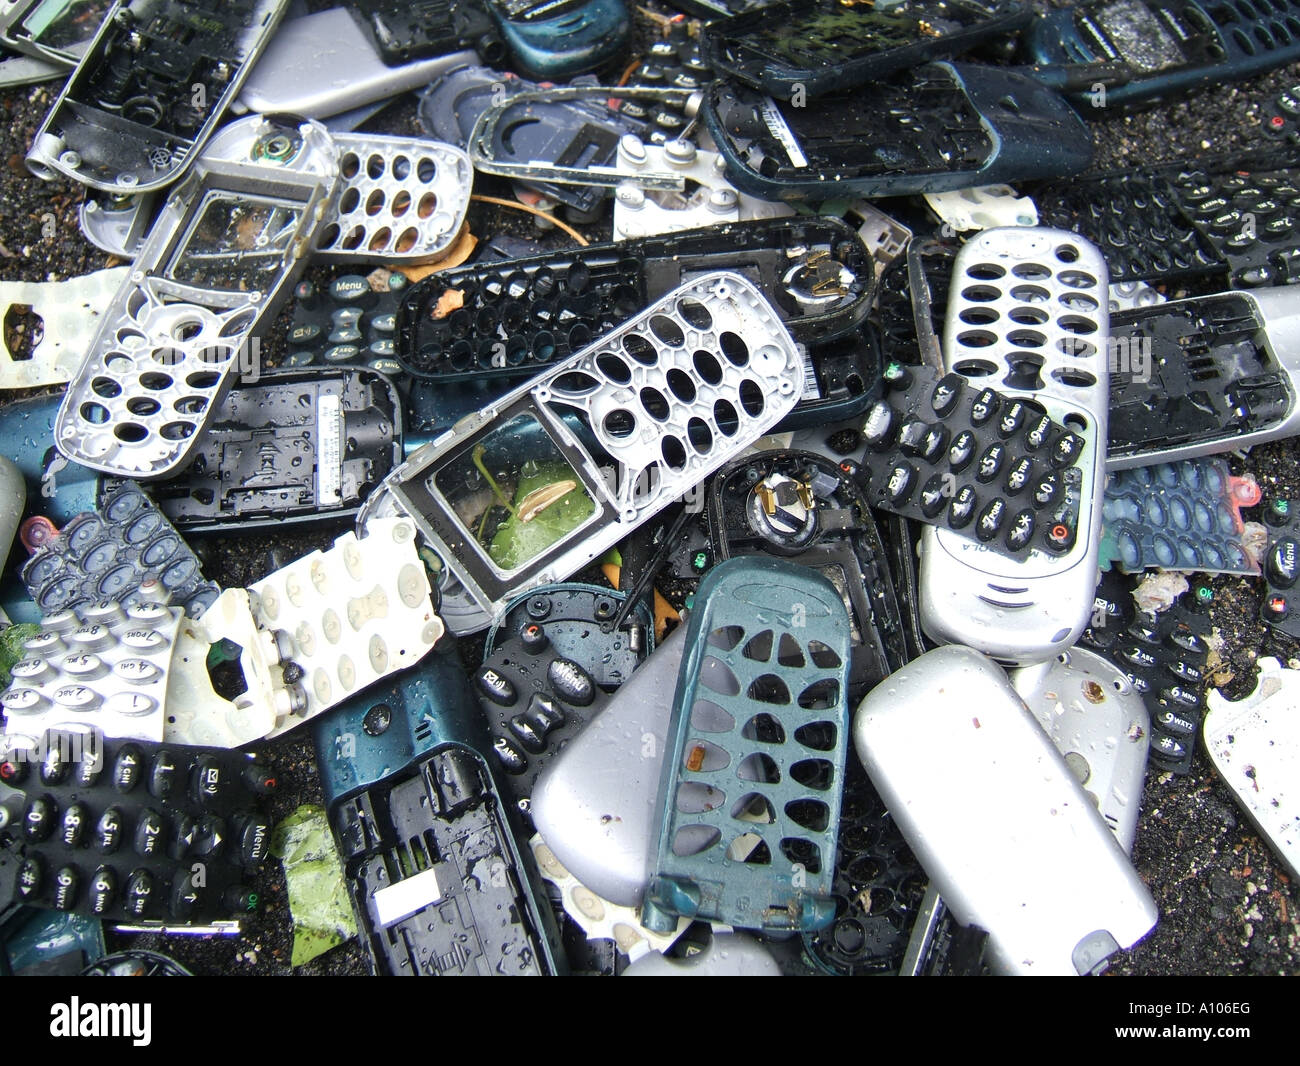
(594,805)
(402,199)
(997,819)
(164,355)
(324,64)
(1027,316)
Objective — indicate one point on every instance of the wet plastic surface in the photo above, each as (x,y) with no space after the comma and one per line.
(816,272)
(327,63)
(752,781)
(815,46)
(1178,516)
(1026,311)
(1201,375)
(1254,743)
(296,446)
(142,832)
(557,40)
(547,668)
(382,730)
(808,510)
(1165,47)
(403,32)
(739,379)
(1281,566)
(106,666)
(151,90)
(1099,723)
(941,126)
(1220,216)
(594,803)
(1164,658)
(971,459)
(40,943)
(436,880)
(125,551)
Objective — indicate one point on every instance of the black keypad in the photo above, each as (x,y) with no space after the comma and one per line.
(993,466)
(1164,657)
(169,834)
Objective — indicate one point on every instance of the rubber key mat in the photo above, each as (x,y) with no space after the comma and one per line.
(972,460)
(1178,516)
(1163,656)
(132,831)
(126,551)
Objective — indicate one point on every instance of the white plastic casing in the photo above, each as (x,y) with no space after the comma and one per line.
(347,617)
(355,613)
(70,312)
(708,200)
(1098,722)
(983,207)
(196,713)
(1254,743)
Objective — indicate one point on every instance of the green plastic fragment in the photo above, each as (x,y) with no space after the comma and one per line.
(835,208)
(11,647)
(318,898)
(549,503)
